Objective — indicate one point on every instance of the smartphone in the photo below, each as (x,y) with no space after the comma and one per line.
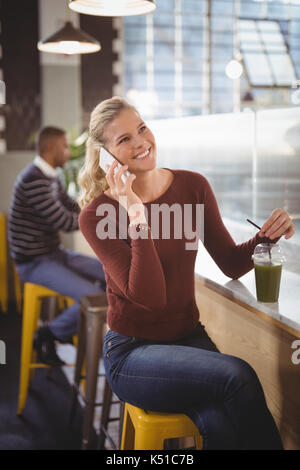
(106,158)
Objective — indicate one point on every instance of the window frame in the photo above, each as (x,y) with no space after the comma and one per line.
(266,54)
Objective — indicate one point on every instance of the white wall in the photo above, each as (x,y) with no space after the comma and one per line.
(10,166)
(60,75)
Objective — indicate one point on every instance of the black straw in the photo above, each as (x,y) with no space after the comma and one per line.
(248,220)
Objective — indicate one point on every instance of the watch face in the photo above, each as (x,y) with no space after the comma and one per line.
(141,230)
(142,226)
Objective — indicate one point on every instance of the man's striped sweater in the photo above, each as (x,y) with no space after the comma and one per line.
(40,208)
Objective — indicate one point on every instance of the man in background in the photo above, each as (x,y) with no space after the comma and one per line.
(40,208)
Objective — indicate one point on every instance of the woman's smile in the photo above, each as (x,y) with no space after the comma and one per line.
(145,155)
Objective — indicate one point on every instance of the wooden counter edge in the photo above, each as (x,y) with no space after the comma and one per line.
(229,295)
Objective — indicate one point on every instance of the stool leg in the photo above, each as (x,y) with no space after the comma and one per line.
(122,410)
(107,398)
(199,442)
(127,441)
(81,345)
(35,320)
(95,326)
(18,292)
(29,317)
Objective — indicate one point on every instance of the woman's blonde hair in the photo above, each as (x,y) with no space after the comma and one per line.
(91,178)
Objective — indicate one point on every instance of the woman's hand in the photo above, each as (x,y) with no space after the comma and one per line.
(279,223)
(124,193)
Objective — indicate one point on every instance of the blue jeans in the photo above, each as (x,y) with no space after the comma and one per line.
(71,274)
(220,393)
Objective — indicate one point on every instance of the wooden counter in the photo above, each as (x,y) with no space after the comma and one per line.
(261,334)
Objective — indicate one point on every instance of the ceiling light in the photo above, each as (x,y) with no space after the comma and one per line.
(234,69)
(112,7)
(69,40)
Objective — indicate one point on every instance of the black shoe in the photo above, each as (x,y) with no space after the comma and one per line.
(67,341)
(44,344)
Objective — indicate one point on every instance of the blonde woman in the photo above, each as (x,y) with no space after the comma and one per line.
(157,355)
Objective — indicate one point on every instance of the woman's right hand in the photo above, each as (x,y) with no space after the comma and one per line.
(123,192)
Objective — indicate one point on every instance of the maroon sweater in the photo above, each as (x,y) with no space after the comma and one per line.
(150,281)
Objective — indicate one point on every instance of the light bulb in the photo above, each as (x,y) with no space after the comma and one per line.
(234,69)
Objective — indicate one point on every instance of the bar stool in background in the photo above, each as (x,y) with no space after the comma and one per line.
(3,266)
(92,326)
(17,289)
(4,269)
(33,295)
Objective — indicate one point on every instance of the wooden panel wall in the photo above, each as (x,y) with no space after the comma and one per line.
(21,71)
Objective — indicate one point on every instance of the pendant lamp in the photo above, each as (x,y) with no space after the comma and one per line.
(69,40)
(112,7)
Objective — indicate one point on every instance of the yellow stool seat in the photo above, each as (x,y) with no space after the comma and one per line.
(147,430)
(33,294)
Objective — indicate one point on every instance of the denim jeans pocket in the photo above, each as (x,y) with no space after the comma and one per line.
(115,341)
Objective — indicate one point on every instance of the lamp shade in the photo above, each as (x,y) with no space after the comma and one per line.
(69,40)
(112,7)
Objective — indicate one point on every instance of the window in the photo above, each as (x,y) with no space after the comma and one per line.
(175,58)
(176,49)
(251,159)
(265,53)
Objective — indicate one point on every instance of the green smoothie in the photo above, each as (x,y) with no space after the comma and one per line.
(267,277)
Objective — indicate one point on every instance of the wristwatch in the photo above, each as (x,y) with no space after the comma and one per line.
(140,227)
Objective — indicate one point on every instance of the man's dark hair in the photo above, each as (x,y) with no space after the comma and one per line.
(45,135)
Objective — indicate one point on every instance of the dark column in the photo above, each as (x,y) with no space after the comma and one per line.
(97,69)
(20,65)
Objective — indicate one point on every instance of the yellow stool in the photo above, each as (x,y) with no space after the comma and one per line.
(3,265)
(147,430)
(18,289)
(33,294)
(4,272)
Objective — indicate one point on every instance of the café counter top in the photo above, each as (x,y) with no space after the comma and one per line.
(285,312)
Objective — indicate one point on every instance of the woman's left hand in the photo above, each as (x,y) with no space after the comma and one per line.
(279,223)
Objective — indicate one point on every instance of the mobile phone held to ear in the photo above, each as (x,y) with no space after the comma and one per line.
(106,158)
